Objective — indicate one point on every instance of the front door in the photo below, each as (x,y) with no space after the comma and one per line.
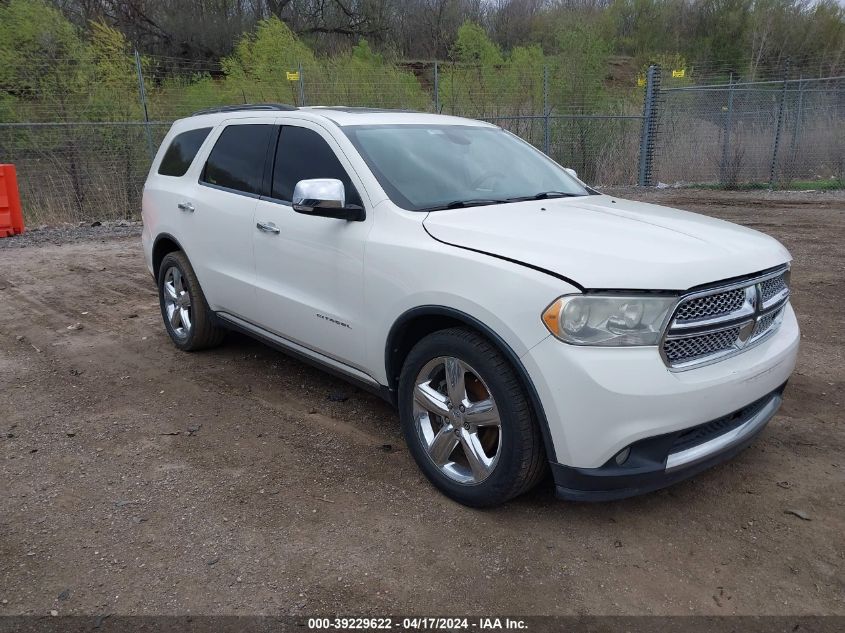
(309,274)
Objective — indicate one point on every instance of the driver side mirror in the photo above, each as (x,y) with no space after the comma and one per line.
(325,198)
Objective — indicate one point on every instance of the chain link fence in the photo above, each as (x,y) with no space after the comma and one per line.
(77,171)
(772,132)
(82,140)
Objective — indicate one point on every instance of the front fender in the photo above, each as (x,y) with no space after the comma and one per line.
(406,269)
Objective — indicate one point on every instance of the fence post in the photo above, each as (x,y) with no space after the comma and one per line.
(649,128)
(436,88)
(773,179)
(301,86)
(724,175)
(547,136)
(796,130)
(143,96)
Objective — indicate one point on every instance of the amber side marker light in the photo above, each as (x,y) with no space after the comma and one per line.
(551,317)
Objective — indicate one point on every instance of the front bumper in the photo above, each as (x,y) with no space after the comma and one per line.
(598,401)
(660,461)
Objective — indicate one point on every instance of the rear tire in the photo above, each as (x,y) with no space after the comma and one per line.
(467,419)
(187,318)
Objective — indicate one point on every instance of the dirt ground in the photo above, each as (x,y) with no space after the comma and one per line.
(137,479)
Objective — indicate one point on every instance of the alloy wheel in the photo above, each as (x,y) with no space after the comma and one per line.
(177,302)
(457,420)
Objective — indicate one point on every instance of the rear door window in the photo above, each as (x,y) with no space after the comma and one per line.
(237,159)
(182,151)
(303,154)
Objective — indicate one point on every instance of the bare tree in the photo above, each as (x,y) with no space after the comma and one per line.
(192,29)
(512,21)
(426,29)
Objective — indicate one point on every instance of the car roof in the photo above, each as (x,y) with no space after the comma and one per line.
(341,116)
(344,116)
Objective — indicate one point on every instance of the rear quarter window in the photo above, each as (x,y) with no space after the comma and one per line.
(182,151)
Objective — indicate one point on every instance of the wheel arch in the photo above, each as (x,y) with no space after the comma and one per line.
(421,321)
(164,244)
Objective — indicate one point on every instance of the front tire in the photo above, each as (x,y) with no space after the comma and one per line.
(186,315)
(467,420)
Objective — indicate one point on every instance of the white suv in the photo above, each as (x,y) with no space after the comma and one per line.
(515,316)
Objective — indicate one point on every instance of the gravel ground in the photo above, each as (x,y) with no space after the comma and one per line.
(72,233)
(137,479)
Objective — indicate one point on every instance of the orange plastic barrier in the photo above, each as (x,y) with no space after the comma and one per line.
(11,216)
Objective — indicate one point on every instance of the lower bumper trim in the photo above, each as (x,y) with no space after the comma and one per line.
(662,468)
(701,452)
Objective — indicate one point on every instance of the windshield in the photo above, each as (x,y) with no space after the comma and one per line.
(432,167)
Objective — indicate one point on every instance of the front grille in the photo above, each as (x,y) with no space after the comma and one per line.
(711,305)
(766,322)
(771,287)
(715,323)
(691,347)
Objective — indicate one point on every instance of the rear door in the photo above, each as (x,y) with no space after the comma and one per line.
(219,219)
(309,275)
(171,183)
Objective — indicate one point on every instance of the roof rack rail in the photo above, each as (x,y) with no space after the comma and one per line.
(246,106)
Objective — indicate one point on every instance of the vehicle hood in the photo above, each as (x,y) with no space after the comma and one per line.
(603,242)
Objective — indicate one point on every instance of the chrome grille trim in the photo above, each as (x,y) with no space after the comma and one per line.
(686,348)
(711,305)
(712,324)
(769,321)
(772,288)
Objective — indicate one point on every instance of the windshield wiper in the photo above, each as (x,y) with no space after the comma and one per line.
(480,202)
(543,195)
(463,204)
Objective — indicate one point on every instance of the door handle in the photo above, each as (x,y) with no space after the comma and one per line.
(185,206)
(268,227)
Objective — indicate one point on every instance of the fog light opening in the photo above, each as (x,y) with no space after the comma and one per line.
(622,456)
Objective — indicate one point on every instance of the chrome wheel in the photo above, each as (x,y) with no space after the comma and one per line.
(177,302)
(457,420)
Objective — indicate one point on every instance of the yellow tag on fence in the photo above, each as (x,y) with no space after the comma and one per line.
(679,74)
(293,76)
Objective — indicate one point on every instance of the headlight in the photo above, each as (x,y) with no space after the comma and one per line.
(607,320)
